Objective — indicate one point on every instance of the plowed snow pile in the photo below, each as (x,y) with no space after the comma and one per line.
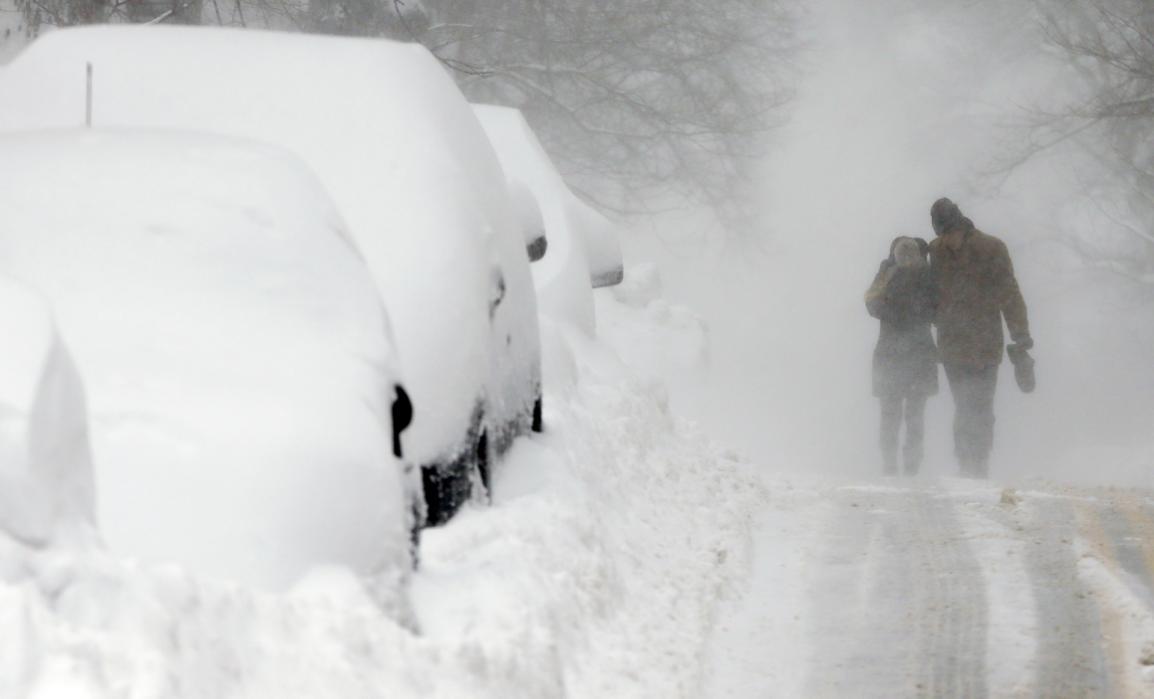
(597,572)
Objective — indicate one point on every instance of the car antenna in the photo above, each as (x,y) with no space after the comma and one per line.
(88,96)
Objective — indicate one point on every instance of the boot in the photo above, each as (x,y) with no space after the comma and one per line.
(890,462)
(982,467)
(913,462)
(975,468)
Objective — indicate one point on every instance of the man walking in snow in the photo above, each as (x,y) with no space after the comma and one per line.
(976,290)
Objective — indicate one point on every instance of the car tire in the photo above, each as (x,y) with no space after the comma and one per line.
(481,457)
(416,524)
(538,416)
(448,487)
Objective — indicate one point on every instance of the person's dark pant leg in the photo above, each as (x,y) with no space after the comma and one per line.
(973,390)
(915,433)
(890,426)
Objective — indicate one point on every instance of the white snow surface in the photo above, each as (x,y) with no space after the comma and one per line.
(235,351)
(46,491)
(392,139)
(596,572)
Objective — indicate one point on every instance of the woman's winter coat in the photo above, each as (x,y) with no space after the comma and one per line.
(905,359)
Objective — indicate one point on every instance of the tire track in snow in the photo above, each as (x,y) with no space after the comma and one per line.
(954,591)
(954,612)
(838,613)
(1070,660)
(898,607)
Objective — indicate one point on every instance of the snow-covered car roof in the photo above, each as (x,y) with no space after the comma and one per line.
(381,123)
(524,159)
(46,491)
(234,348)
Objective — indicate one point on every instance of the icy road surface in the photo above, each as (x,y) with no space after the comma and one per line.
(950,589)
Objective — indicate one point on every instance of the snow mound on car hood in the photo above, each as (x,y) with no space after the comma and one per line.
(234,350)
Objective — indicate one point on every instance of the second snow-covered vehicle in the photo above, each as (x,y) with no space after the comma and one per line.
(398,147)
(583,251)
(236,356)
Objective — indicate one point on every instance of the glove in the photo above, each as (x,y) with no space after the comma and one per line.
(1023,343)
(1023,365)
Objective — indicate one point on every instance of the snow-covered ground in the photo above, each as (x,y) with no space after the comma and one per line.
(943,589)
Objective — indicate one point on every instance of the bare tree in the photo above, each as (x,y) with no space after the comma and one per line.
(640,102)
(1109,47)
(39,14)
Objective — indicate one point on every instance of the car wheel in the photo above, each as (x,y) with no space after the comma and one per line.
(538,416)
(448,487)
(482,461)
(415,527)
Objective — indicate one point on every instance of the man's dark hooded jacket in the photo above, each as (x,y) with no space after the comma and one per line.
(976,288)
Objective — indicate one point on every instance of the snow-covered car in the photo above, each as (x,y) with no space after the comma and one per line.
(583,251)
(398,147)
(46,494)
(237,358)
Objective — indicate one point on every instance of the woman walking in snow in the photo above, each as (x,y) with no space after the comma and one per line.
(905,364)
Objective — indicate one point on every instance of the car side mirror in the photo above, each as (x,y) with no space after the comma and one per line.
(402,413)
(529,219)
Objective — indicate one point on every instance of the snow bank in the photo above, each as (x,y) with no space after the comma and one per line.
(234,349)
(97,626)
(596,572)
(46,491)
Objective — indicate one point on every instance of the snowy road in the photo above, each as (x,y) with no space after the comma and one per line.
(945,590)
